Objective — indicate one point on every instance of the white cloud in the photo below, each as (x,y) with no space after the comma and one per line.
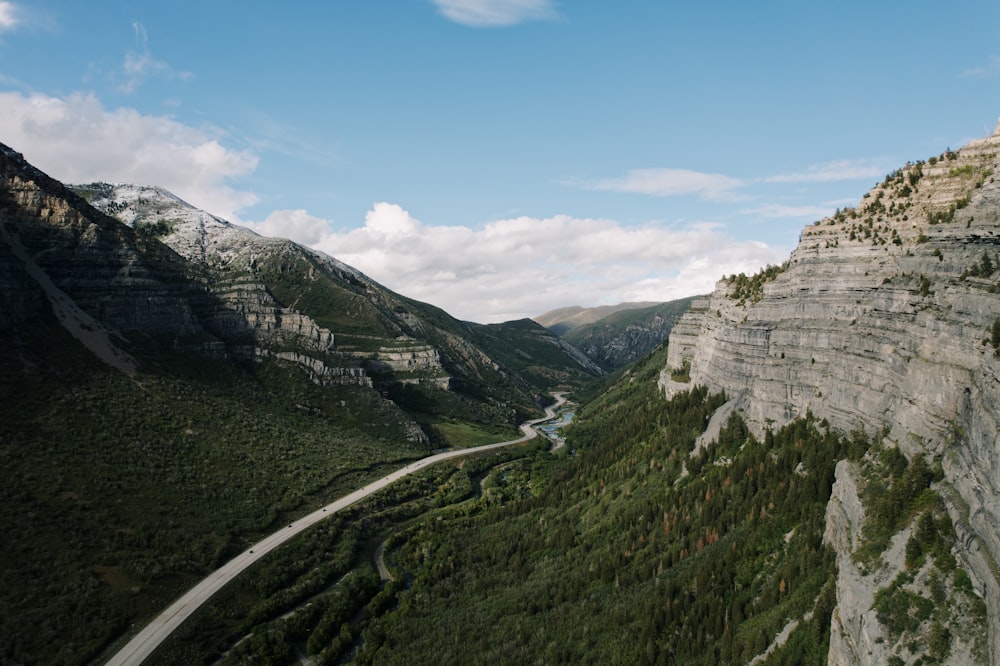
(831,171)
(495,13)
(9,16)
(296,225)
(672,182)
(519,267)
(141,66)
(75,139)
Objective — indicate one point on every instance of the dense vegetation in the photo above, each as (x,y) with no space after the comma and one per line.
(120,493)
(616,556)
(633,544)
(622,548)
(319,592)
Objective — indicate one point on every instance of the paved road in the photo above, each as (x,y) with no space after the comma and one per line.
(147,640)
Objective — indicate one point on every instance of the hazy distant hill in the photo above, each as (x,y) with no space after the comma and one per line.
(561,320)
(614,336)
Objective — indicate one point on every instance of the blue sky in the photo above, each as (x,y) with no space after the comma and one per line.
(500,158)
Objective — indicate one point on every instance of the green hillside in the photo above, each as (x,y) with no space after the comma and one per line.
(159,412)
(621,549)
(134,488)
(625,336)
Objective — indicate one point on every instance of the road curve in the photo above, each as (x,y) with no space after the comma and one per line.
(142,644)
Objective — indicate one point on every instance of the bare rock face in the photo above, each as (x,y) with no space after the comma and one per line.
(104,268)
(882,319)
(856,636)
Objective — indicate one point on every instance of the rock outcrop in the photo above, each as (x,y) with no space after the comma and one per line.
(885,318)
(57,248)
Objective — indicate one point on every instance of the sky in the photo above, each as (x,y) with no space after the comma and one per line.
(501,158)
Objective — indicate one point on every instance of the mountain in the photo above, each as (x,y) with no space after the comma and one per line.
(886,320)
(534,352)
(805,474)
(174,386)
(626,335)
(345,327)
(562,320)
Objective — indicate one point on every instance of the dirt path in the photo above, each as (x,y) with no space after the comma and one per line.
(383,571)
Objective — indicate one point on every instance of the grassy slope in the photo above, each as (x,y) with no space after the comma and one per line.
(120,493)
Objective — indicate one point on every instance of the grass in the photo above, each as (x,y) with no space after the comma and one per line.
(135,489)
(466,435)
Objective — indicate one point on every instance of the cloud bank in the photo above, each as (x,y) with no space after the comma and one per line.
(524,266)
(506,269)
(75,139)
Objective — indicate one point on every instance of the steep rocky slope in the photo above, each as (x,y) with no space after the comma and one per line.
(885,318)
(306,307)
(173,388)
(162,275)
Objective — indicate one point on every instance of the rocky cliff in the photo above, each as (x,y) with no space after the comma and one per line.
(885,318)
(342,326)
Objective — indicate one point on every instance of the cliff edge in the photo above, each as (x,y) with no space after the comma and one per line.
(886,319)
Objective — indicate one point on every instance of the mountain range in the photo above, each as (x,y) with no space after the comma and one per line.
(807,472)
(157,353)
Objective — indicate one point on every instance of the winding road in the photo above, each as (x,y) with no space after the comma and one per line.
(147,640)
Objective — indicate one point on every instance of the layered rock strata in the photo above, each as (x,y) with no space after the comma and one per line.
(885,318)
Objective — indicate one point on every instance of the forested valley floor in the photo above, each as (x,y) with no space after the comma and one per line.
(621,548)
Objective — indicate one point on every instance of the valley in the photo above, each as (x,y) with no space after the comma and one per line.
(147,640)
(798,468)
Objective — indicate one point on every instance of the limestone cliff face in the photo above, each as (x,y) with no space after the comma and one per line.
(882,319)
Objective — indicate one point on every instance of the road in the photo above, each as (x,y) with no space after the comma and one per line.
(147,640)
